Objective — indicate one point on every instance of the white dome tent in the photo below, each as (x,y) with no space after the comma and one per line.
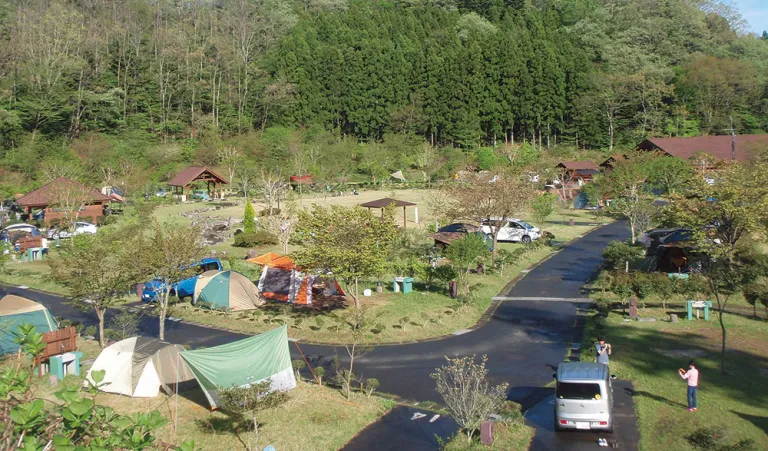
(138,367)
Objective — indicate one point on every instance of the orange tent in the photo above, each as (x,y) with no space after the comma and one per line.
(264,259)
(273,260)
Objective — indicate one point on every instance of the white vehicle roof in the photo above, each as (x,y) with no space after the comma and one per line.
(20,226)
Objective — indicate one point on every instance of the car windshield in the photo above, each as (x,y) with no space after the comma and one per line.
(525,224)
(575,390)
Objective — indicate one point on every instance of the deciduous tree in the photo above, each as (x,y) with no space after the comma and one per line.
(350,242)
(98,270)
(169,253)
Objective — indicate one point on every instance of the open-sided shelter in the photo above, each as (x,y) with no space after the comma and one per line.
(62,194)
(227,289)
(387,201)
(184,180)
(139,367)
(243,363)
(15,311)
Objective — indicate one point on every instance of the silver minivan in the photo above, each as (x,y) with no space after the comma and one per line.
(584,397)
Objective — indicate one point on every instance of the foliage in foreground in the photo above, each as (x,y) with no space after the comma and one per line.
(468,396)
(244,403)
(75,421)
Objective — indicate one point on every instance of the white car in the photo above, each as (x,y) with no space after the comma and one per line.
(513,230)
(79,229)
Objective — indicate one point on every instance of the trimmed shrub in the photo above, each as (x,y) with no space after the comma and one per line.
(617,253)
(251,239)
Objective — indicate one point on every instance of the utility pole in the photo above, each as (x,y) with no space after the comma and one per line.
(733,141)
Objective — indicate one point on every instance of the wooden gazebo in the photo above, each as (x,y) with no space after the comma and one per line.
(387,201)
(182,183)
(63,195)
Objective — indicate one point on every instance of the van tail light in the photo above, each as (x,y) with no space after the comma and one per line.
(603,423)
(563,421)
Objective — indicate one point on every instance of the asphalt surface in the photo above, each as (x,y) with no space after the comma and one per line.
(564,275)
(414,430)
(523,340)
(625,434)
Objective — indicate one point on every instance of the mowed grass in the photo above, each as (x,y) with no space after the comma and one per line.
(404,317)
(314,418)
(650,353)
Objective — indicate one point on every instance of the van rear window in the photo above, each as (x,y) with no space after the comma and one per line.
(571,390)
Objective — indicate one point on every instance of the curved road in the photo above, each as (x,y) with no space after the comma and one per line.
(524,340)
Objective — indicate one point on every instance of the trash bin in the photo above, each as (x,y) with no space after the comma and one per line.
(403,284)
(65,364)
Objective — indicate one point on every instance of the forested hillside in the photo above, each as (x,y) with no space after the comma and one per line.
(123,87)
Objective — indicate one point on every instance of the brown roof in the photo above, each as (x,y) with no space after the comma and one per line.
(188,175)
(717,146)
(579,165)
(41,197)
(385,202)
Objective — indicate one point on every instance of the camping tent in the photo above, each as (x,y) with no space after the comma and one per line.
(15,311)
(226,289)
(138,367)
(242,363)
(290,285)
(264,259)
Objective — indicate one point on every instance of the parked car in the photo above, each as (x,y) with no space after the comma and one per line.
(184,288)
(200,194)
(514,230)
(445,235)
(79,228)
(583,397)
(12,233)
(657,237)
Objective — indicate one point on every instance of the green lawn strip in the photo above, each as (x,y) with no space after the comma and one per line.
(314,418)
(737,300)
(650,353)
(513,436)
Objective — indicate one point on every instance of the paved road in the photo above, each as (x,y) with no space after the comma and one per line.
(564,275)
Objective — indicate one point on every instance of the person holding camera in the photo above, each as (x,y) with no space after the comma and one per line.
(603,350)
(692,375)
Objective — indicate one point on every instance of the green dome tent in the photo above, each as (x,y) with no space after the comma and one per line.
(227,289)
(15,311)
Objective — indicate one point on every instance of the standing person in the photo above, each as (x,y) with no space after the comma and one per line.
(693,383)
(603,350)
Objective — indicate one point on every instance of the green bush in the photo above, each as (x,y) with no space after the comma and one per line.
(543,206)
(251,239)
(617,253)
(249,218)
(267,212)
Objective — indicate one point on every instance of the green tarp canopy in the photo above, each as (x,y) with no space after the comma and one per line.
(15,311)
(242,363)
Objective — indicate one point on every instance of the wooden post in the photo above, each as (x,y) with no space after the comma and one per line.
(405,226)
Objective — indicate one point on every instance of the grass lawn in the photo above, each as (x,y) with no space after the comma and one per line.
(422,314)
(650,353)
(315,418)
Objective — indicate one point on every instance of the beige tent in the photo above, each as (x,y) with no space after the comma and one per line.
(226,289)
(15,311)
(139,367)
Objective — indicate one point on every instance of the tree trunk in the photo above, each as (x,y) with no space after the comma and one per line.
(722,329)
(632,230)
(100,315)
(163,310)
(357,305)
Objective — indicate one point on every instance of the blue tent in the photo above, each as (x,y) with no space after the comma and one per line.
(15,311)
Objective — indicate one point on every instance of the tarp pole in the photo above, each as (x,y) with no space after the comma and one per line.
(176,401)
(307,362)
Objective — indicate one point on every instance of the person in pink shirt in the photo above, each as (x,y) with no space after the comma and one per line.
(693,383)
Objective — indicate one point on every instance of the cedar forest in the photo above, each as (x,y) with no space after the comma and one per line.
(132,90)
